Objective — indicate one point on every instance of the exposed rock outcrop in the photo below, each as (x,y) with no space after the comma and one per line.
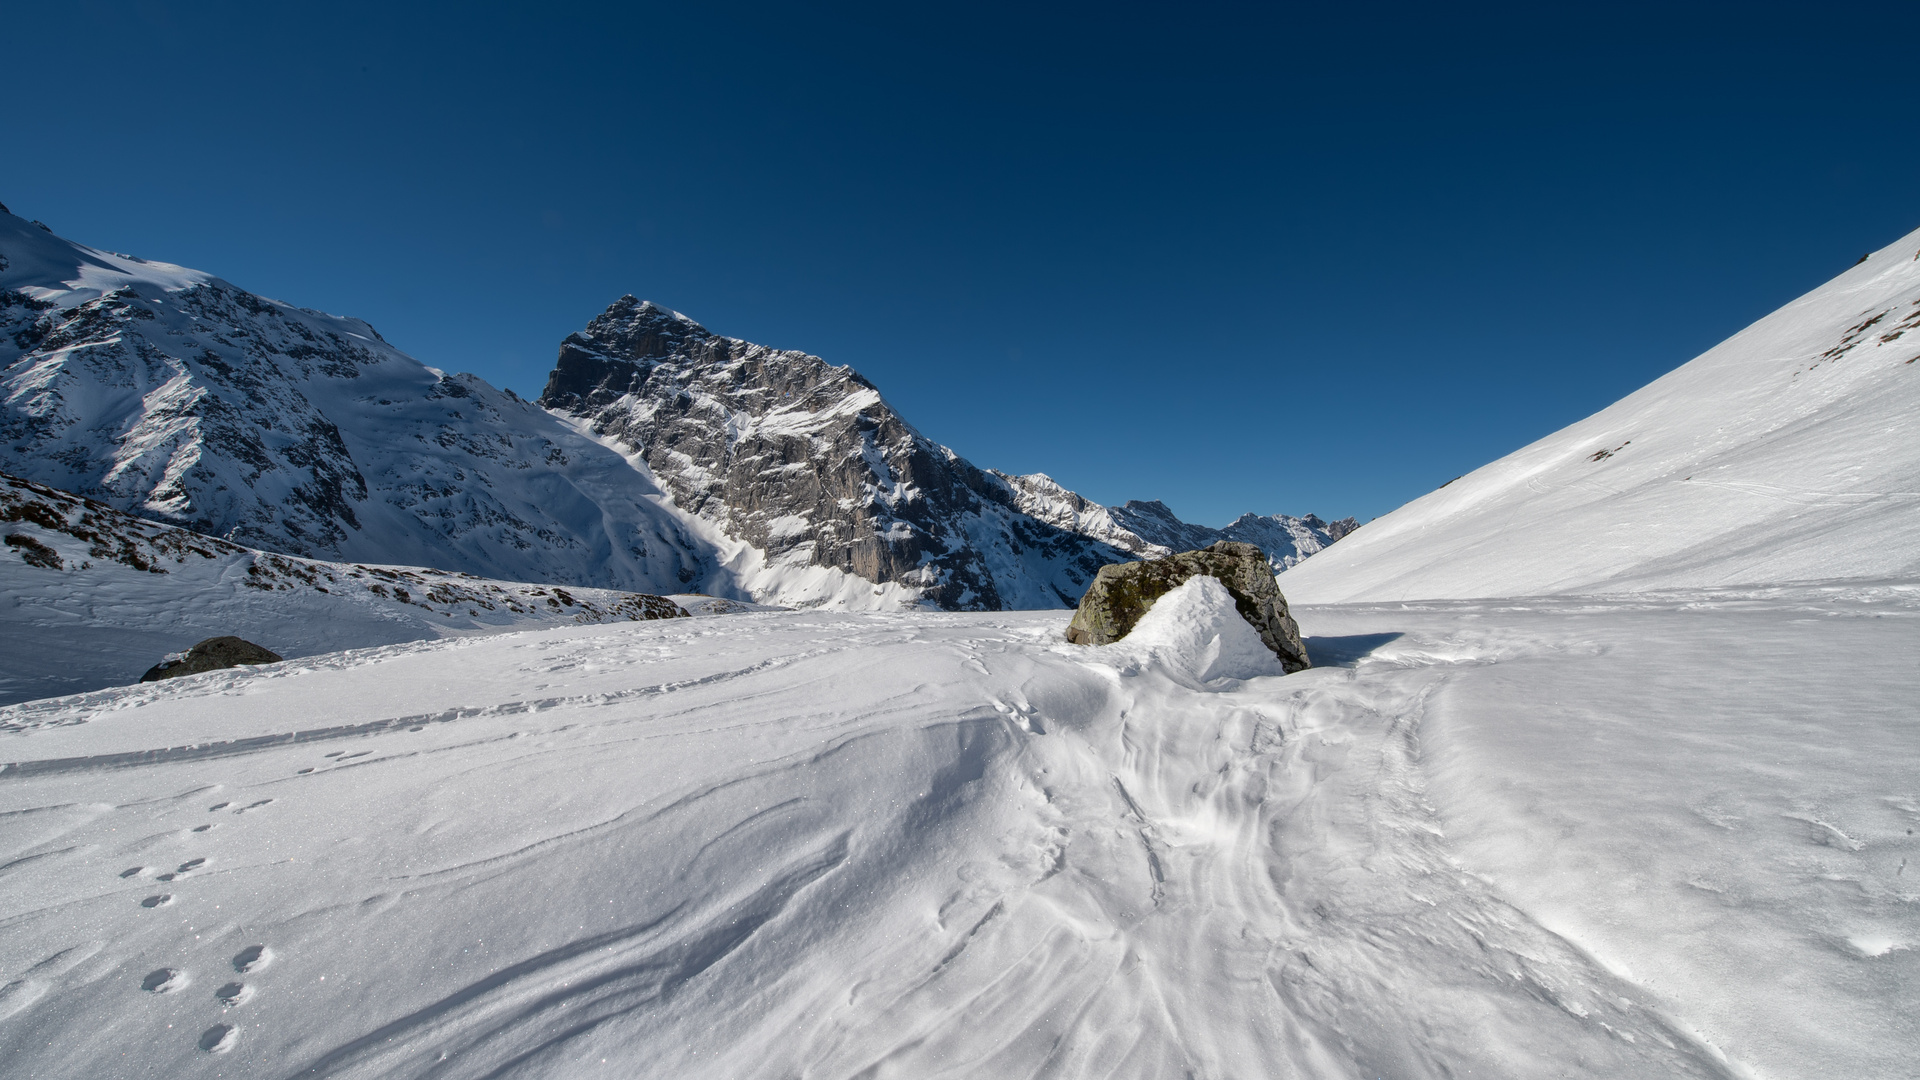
(1122,593)
(211,655)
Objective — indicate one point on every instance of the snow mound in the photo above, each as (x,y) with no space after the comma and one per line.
(1196,628)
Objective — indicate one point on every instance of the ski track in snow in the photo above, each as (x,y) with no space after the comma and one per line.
(1508,838)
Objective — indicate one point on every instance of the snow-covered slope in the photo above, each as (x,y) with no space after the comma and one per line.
(948,845)
(1151,530)
(91,597)
(175,395)
(809,473)
(1791,451)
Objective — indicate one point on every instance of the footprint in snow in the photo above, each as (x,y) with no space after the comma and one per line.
(133,871)
(252,806)
(234,994)
(219,1038)
(161,900)
(218,806)
(252,958)
(164,981)
(190,864)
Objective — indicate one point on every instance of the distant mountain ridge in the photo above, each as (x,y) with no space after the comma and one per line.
(1151,530)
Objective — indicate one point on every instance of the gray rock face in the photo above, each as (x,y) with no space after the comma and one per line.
(211,655)
(1122,593)
(807,462)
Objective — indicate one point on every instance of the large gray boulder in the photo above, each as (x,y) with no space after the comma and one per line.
(211,655)
(1121,593)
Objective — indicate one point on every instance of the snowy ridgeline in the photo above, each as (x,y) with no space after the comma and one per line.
(1791,451)
(1491,839)
(94,597)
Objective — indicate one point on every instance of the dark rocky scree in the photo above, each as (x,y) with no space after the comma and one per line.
(805,461)
(211,655)
(1122,594)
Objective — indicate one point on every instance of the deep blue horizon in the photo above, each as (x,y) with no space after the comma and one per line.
(1247,260)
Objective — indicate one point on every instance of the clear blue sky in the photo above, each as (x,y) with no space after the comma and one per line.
(1259,258)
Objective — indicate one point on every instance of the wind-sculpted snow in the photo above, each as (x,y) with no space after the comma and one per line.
(1791,451)
(804,464)
(169,393)
(91,597)
(922,844)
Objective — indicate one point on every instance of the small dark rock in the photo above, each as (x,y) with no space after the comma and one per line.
(34,552)
(211,655)
(1123,592)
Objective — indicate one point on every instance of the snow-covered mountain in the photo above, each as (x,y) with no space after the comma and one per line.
(1791,451)
(1151,530)
(91,597)
(172,394)
(807,464)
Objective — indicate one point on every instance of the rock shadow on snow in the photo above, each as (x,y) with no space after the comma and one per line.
(1344,651)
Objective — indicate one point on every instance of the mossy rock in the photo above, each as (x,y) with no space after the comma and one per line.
(1123,592)
(211,655)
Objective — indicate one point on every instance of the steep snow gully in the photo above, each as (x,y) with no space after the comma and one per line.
(950,845)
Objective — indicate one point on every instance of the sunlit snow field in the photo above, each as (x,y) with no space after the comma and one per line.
(1664,835)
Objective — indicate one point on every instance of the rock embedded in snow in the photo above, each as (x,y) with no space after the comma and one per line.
(211,655)
(1124,593)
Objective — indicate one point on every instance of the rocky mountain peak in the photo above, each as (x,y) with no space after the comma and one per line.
(806,463)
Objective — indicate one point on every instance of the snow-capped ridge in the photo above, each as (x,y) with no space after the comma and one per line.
(1149,529)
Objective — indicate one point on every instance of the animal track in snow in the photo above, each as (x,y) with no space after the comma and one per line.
(133,871)
(164,981)
(219,1038)
(234,994)
(252,806)
(162,900)
(190,864)
(252,958)
(218,806)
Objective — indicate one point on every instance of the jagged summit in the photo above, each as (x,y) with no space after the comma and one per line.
(617,352)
